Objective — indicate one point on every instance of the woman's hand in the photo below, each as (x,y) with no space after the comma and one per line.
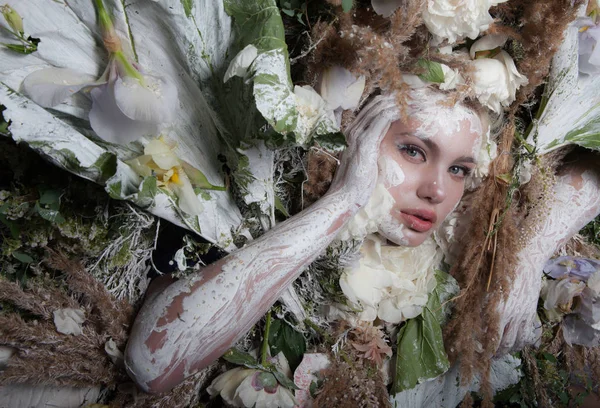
(357,173)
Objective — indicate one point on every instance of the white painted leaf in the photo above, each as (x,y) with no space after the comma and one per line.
(572,112)
(194,47)
(44,396)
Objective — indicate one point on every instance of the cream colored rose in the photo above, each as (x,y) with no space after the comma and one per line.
(456,19)
(391,283)
(496,79)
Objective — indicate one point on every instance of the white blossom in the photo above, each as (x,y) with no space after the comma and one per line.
(452,78)
(126,102)
(496,79)
(390,282)
(454,20)
(241,62)
(159,160)
(340,89)
(589,52)
(248,387)
(487,152)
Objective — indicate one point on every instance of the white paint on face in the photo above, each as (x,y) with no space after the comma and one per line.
(434,157)
(390,172)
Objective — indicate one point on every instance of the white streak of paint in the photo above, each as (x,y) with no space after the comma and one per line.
(390,171)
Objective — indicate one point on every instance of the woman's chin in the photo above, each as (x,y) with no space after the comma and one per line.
(403,236)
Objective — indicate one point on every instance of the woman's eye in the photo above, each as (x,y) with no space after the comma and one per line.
(412,152)
(459,171)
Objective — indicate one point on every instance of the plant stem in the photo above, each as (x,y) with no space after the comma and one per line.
(265,346)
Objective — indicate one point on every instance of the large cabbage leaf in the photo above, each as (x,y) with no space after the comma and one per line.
(191,42)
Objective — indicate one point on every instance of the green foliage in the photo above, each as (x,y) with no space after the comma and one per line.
(420,354)
(283,338)
(433,71)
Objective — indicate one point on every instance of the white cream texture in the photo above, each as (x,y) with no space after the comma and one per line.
(369,217)
(391,283)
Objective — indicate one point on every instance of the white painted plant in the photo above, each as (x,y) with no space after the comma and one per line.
(158,71)
(571,104)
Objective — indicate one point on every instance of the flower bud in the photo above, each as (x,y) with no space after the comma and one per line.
(13,18)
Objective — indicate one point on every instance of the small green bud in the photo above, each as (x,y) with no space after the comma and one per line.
(13,18)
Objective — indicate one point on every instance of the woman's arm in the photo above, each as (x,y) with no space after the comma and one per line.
(192,322)
(574,201)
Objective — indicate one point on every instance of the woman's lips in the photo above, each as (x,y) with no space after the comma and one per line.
(419,220)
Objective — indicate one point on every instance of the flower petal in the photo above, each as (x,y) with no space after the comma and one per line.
(488,42)
(110,123)
(187,199)
(339,88)
(51,86)
(162,154)
(152,100)
(386,8)
(240,63)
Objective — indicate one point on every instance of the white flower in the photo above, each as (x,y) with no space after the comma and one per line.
(126,103)
(69,321)
(558,296)
(247,387)
(456,19)
(160,160)
(307,373)
(589,52)
(391,282)
(240,63)
(496,79)
(367,219)
(311,108)
(341,89)
(594,282)
(487,152)
(452,78)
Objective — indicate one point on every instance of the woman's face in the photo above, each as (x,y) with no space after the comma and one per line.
(424,169)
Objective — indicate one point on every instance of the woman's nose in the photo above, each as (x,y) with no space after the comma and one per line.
(432,191)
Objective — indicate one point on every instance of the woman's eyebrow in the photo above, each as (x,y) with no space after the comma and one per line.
(466,159)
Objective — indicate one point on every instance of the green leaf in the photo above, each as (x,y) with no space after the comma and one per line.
(21,48)
(50,197)
(421,354)
(240,358)
(187,7)
(280,207)
(49,214)
(433,71)
(148,190)
(22,257)
(283,338)
(259,23)
(198,179)
(288,12)
(107,165)
(15,231)
(283,380)
(549,357)
(335,142)
(346,5)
